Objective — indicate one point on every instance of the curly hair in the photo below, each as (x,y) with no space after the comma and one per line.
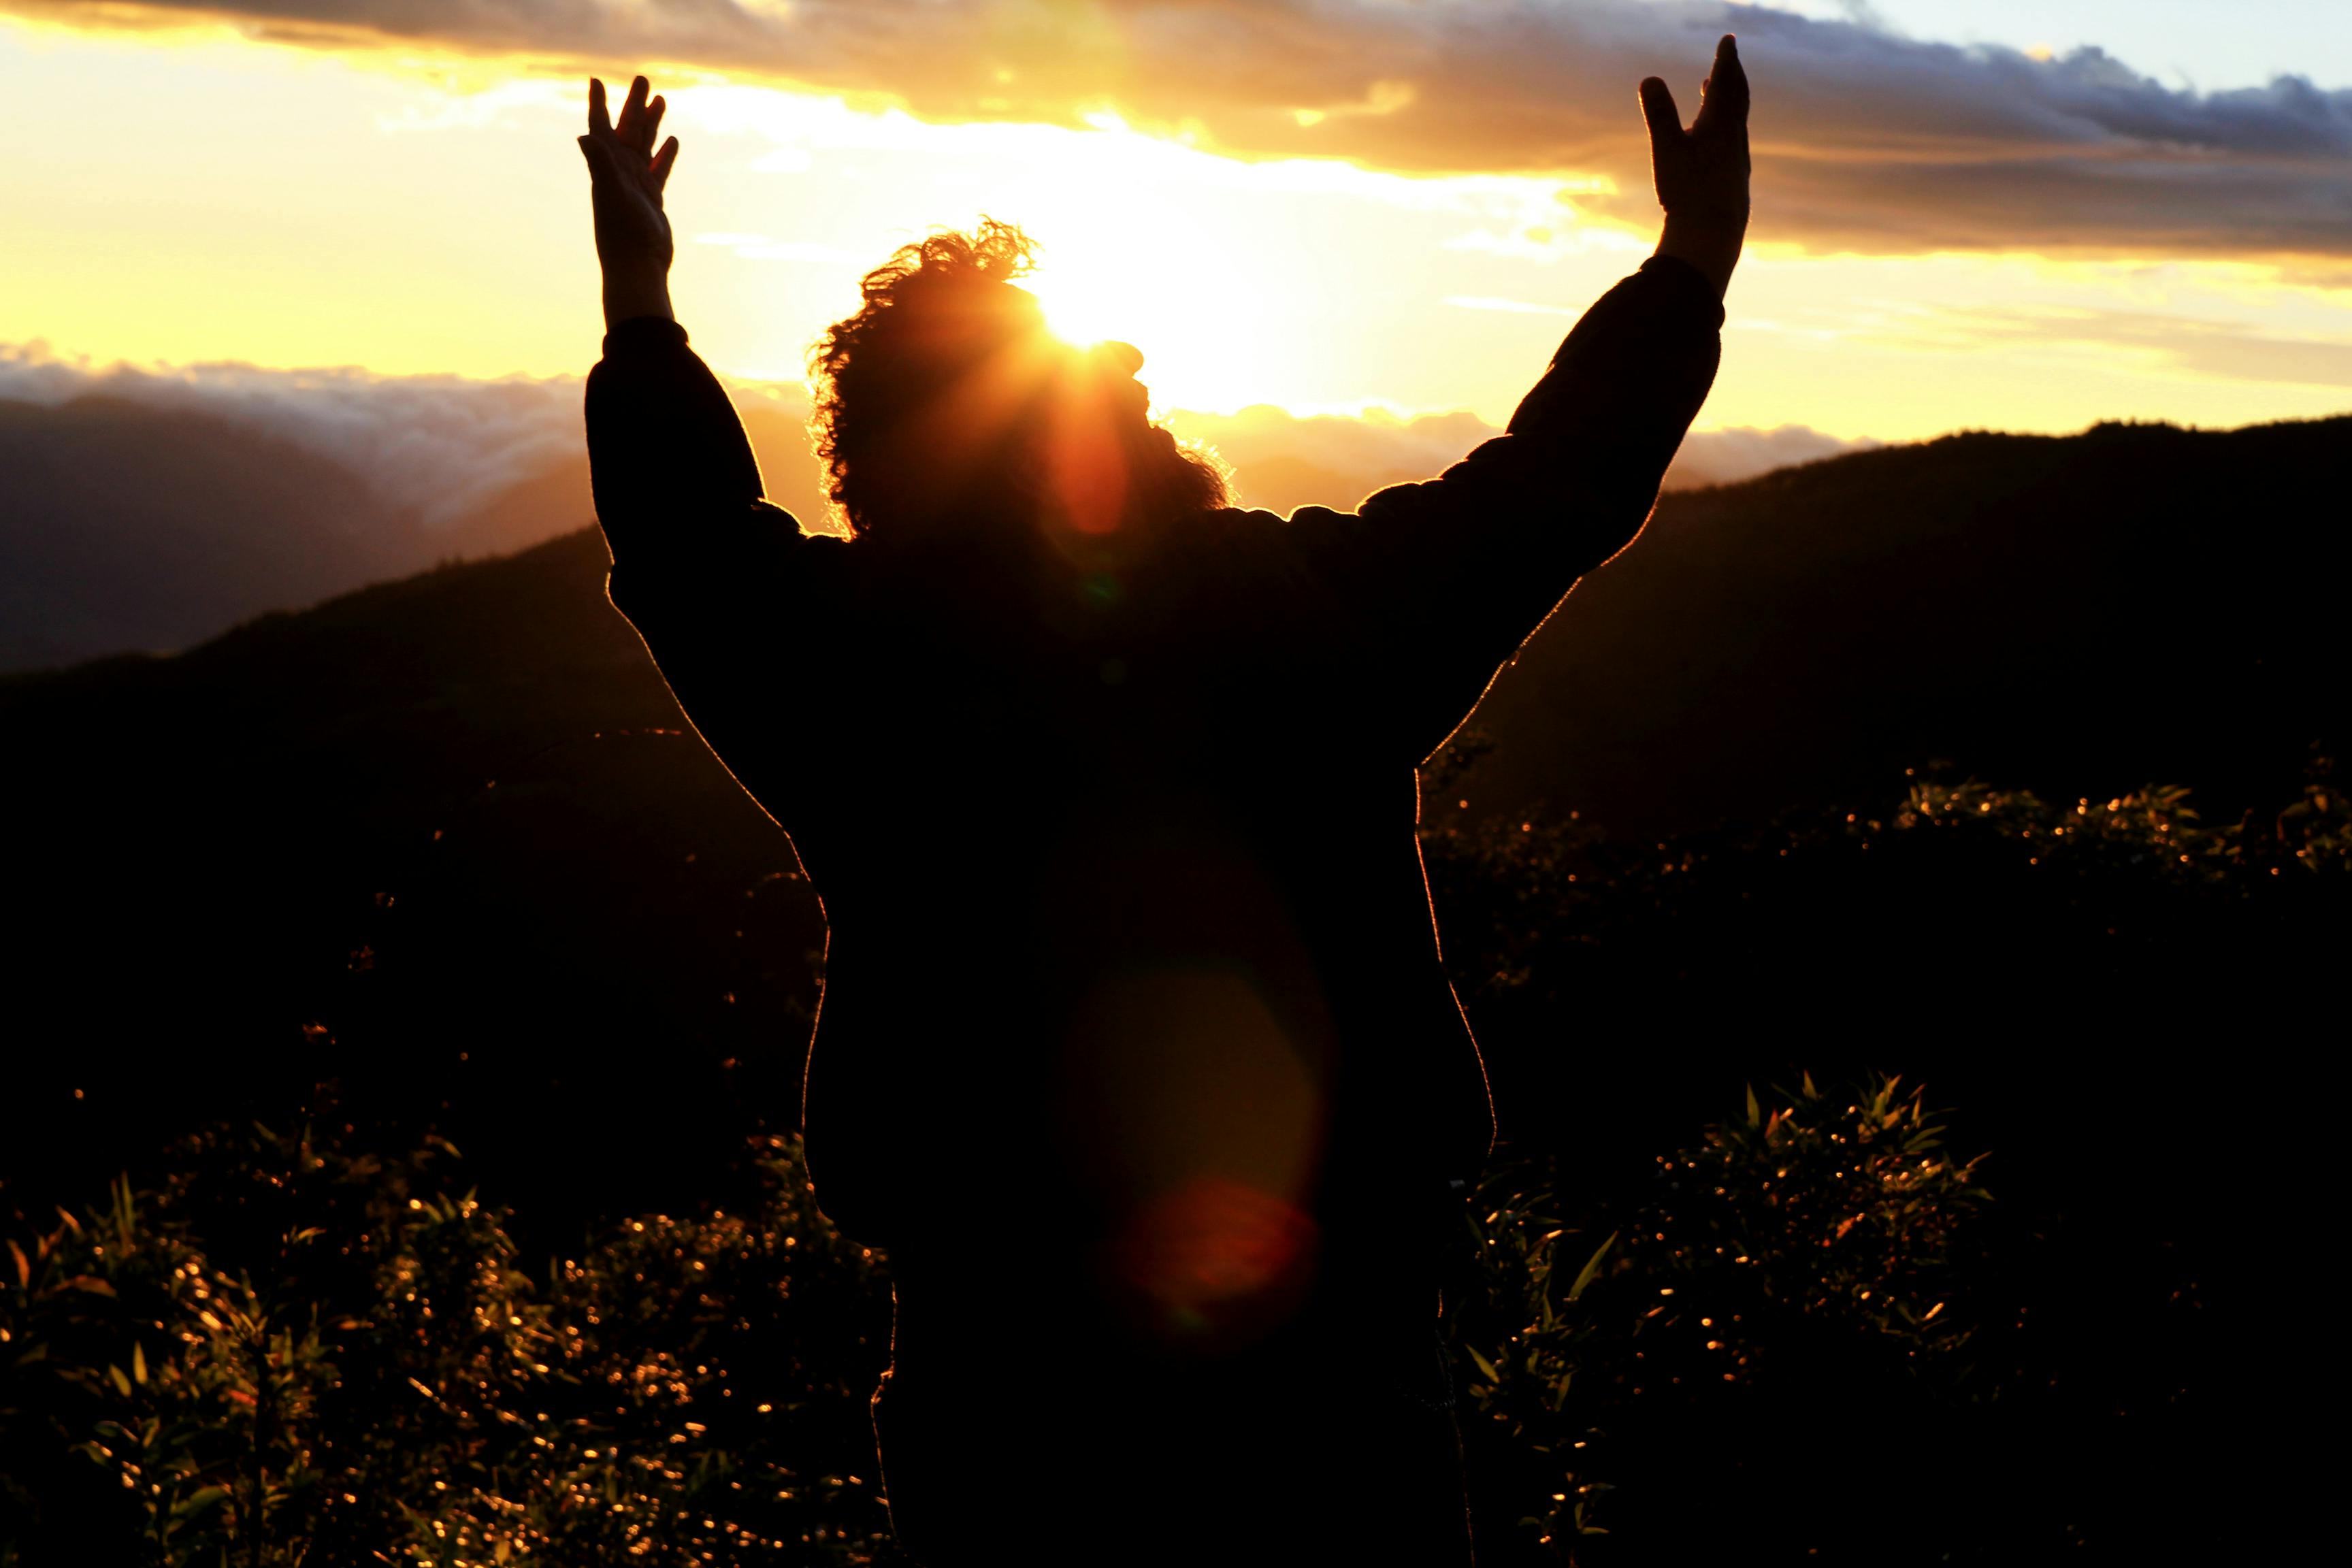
(935,313)
(946,392)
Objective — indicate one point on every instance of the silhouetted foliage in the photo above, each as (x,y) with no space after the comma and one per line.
(1954,913)
(1814,1235)
(296,825)
(2057,967)
(290,1344)
(295,1353)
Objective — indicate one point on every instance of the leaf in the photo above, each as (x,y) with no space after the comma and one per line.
(1811,1092)
(1591,1269)
(198,1501)
(137,1364)
(115,1375)
(24,1266)
(1755,1112)
(1485,1366)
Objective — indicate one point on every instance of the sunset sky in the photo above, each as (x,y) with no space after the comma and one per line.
(2010,214)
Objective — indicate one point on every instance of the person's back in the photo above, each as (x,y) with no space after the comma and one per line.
(1135,1048)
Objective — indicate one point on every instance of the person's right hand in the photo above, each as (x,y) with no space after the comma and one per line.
(625,178)
(1702,173)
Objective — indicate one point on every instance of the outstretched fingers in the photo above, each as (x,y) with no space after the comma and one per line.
(1665,121)
(1723,102)
(629,126)
(623,149)
(597,146)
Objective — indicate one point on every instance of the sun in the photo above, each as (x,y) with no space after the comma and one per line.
(1199,311)
(1086,308)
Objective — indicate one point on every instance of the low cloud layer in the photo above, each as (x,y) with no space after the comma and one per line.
(1282,462)
(1865,140)
(434,451)
(431,449)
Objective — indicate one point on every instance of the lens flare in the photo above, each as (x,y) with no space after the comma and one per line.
(1214,1250)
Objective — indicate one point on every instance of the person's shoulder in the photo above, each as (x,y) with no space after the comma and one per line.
(1237,531)
(763,552)
(788,538)
(1252,545)
(1243,527)
(1225,522)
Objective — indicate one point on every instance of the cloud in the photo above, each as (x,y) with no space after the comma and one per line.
(1865,140)
(433,448)
(1282,461)
(1736,452)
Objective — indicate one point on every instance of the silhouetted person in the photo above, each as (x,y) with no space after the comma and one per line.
(1135,1048)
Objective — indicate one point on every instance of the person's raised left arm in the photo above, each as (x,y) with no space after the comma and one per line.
(1453,575)
(1702,173)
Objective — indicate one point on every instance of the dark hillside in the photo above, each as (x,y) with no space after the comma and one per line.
(296,824)
(461,810)
(2080,615)
(128,527)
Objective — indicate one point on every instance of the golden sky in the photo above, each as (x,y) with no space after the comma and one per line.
(1932,255)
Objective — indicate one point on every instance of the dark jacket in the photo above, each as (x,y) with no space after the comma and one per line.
(1015,777)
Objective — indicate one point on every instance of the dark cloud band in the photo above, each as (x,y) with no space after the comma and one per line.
(1864,140)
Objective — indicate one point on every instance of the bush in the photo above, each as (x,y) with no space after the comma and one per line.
(1527,902)
(1814,1231)
(297,1352)
(2087,977)
(1805,1337)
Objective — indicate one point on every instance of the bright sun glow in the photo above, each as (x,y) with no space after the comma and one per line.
(1084,311)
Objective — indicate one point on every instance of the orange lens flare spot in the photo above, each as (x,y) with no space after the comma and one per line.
(1216,1254)
(1087,456)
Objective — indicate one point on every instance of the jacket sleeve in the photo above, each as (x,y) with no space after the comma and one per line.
(1445,580)
(712,576)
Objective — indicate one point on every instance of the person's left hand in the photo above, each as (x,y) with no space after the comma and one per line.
(625,178)
(1702,173)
